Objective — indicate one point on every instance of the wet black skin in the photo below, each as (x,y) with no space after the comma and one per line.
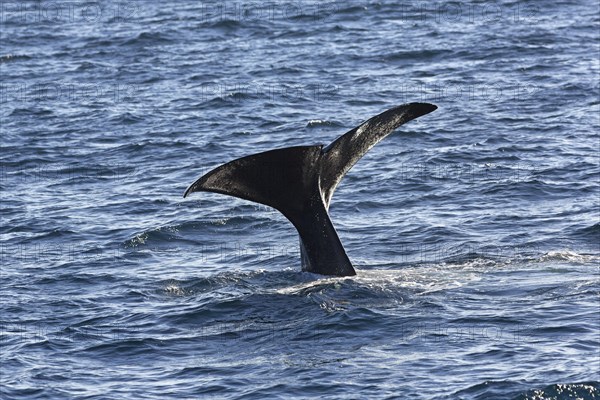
(300,181)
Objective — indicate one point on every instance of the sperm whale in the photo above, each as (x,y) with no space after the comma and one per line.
(299,182)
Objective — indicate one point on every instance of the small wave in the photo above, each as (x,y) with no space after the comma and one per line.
(315,123)
(583,391)
(129,346)
(149,38)
(173,288)
(417,55)
(126,119)
(352,8)
(503,389)
(86,66)
(30,111)
(13,57)
(566,255)
(159,235)
(225,24)
(590,232)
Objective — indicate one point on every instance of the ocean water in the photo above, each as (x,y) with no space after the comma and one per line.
(474,230)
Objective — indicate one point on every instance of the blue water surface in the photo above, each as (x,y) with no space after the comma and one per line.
(474,230)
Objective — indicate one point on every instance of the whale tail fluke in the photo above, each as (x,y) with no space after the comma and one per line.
(300,181)
(275,178)
(345,151)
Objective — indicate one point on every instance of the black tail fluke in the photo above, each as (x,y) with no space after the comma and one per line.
(345,151)
(276,178)
(299,182)
(287,180)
